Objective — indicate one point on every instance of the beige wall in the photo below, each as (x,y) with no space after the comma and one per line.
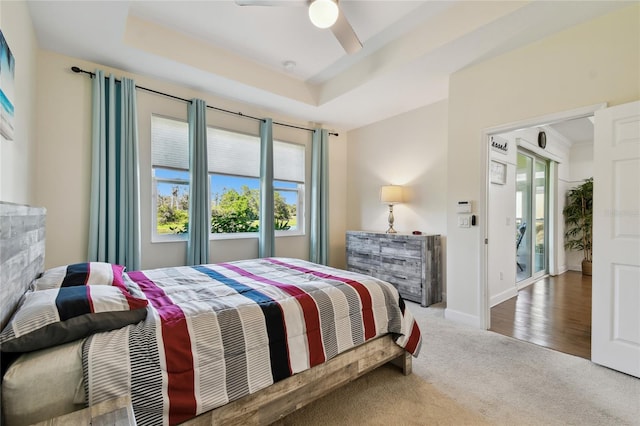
(410,150)
(64,121)
(595,62)
(17,157)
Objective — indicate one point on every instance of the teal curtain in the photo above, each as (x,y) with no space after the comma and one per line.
(319,238)
(114,211)
(198,243)
(266,241)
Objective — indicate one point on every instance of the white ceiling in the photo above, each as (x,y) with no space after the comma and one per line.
(409,48)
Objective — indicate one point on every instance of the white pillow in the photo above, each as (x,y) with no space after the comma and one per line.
(87,273)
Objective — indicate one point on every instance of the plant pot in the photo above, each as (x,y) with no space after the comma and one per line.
(586,267)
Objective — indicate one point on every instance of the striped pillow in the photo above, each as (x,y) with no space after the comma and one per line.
(52,317)
(88,273)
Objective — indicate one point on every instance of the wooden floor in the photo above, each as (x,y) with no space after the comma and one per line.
(554,312)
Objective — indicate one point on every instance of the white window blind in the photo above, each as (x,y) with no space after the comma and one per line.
(169,143)
(288,161)
(233,153)
(229,153)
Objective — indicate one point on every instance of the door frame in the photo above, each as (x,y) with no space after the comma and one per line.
(484,208)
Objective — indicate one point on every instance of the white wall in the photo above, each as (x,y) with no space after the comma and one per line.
(410,150)
(501,225)
(580,168)
(64,121)
(17,157)
(581,161)
(594,62)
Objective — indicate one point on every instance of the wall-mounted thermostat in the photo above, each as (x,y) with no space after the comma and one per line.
(464,206)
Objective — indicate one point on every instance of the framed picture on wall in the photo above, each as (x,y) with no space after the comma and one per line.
(7,73)
(498,172)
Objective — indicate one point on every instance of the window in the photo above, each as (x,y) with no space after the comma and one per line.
(170,168)
(234,172)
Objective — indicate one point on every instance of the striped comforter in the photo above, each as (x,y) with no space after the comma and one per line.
(215,333)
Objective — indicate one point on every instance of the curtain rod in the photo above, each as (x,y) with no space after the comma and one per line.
(78,70)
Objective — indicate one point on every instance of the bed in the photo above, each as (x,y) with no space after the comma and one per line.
(243,342)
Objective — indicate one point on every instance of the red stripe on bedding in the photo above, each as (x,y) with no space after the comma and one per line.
(414,339)
(363,292)
(89,299)
(177,350)
(309,311)
(117,270)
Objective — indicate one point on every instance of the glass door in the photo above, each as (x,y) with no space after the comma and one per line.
(531,216)
(540,240)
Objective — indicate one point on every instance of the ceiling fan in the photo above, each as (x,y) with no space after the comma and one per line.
(323,14)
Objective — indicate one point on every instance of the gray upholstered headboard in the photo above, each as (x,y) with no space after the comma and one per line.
(21,253)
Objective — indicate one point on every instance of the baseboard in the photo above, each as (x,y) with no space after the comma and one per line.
(577,268)
(501,297)
(462,318)
(561,270)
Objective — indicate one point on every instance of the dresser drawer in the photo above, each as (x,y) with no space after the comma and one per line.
(407,267)
(361,243)
(402,248)
(410,288)
(366,263)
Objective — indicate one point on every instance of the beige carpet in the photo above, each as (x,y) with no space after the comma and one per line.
(384,397)
(467,376)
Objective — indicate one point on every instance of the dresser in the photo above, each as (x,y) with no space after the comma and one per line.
(412,263)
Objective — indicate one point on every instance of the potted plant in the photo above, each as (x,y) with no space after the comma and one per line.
(578,218)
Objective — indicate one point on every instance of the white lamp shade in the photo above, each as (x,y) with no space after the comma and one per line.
(391,194)
(323,13)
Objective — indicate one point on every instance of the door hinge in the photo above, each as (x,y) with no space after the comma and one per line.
(486,241)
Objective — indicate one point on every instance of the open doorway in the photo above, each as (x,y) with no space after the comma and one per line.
(526,293)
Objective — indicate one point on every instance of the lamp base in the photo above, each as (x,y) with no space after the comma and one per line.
(391,230)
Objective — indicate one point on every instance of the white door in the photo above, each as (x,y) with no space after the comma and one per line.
(615,331)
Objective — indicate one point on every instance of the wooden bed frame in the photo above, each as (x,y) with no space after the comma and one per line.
(284,397)
(22,241)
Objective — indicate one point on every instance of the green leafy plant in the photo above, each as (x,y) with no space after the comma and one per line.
(232,221)
(232,211)
(281,225)
(578,219)
(238,211)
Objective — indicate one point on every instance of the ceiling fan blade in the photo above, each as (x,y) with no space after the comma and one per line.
(270,3)
(346,36)
(342,29)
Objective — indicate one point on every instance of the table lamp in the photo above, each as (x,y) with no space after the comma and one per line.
(391,194)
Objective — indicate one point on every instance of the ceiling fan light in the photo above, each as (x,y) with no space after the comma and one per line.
(323,13)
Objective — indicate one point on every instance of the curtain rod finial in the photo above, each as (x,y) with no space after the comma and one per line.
(76,69)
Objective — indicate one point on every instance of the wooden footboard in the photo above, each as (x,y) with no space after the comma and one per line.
(286,396)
